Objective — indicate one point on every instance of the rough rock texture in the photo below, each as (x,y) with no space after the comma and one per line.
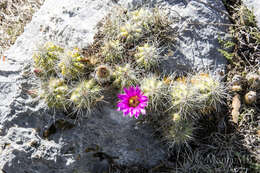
(197,44)
(35,139)
(254,5)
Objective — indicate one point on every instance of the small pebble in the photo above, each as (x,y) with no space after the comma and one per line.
(250,97)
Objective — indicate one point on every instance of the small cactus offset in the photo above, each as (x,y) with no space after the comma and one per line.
(71,64)
(130,32)
(157,92)
(253,80)
(112,51)
(55,92)
(103,74)
(179,131)
(250,97)
(210,92)
(147,56)
(124,76)
(200,93)
(183,97)
(142,16)
(86,95)
(46,58)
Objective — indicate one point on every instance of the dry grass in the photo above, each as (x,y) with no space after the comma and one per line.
(244,60)
(14,15)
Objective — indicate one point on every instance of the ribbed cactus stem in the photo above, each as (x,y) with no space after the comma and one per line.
(157,92)
(55,93)
(179,131)
(147,56)
(86,95)
(124,76)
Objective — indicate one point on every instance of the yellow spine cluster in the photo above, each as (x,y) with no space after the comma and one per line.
(112,51)
(85,95)
(157,92)
(147,56)
(71,65)
(124,76)
(55,93)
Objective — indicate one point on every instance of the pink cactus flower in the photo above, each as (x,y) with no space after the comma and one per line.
(133,102)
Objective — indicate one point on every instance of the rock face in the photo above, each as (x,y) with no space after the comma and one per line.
(36,139)
(254,5)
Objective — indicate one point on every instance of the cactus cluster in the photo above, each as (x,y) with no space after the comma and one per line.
(135,35)
(131,25)
(59,69)
(192,96)
(138,24)
(127,56)
(200,93)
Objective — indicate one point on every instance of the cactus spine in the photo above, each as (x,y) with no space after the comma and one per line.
(85,95)
(157,92)
(124,76)
(147,56)
(55,92)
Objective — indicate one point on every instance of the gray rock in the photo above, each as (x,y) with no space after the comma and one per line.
(35,139)
(197,44)
(254,5)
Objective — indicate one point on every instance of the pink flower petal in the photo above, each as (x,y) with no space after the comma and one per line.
(143,99)
(122,96)
(125,111)
(138,111)
(143,111)
(126,91)
(142,105)
(122,106)
(132,91)
(134,111)
(137,89)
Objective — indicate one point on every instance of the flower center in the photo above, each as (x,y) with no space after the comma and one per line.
(133,101)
